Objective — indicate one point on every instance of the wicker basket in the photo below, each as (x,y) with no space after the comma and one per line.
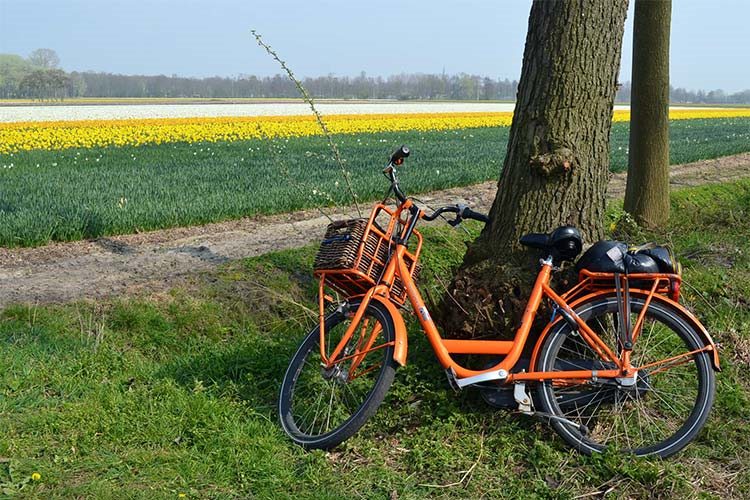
(353,256)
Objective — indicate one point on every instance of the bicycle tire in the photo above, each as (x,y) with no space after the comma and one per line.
(309,348)
(651,405)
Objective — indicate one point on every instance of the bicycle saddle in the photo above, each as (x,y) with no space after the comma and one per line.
(563,243)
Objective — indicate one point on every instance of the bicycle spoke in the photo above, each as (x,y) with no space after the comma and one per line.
(330,407)
(652,424)
(596,409)
(317,411)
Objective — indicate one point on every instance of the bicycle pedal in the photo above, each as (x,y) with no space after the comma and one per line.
(550,417)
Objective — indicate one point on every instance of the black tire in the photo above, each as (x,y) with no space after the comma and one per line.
(670,404)
(350,414)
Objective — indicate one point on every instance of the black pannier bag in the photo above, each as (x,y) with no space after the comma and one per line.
(663,257)
(638,263)
(615,257)
(604,257)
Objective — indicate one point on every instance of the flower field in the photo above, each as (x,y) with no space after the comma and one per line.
(85,179)
(26,136)
(174,108)
(53,135)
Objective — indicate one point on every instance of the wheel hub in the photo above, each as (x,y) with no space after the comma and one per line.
(335,373)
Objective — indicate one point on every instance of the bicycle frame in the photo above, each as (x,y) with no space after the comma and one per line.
(511,350)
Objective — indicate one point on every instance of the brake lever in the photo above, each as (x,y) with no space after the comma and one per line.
(458,220)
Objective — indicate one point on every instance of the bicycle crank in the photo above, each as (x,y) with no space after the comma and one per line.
(526,406)
(548,416)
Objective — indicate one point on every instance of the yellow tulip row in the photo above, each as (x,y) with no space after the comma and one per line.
(25,136)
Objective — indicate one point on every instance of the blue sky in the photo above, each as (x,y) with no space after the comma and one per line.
(710,39)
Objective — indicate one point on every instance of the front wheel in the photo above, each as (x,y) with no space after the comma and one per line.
(321,407)
(660,413)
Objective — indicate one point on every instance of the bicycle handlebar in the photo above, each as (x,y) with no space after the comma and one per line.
(461,211)
(397,158)
(468,213)
(440,211)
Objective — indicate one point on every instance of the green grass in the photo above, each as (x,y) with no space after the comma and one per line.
(175,393)
(87,193)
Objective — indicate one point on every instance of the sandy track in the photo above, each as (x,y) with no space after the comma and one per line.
(156,260)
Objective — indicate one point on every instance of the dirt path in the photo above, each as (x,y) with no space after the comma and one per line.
(119,265)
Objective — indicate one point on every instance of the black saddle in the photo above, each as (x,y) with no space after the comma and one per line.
(564,243)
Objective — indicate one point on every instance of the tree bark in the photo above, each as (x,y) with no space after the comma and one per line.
(647,189)
(557,163)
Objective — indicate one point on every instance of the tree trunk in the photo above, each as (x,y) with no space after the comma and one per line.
(557,164)
(647,190)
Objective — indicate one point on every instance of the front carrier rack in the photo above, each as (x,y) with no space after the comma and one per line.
(354,253)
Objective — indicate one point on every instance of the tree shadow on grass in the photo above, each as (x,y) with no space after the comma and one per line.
(250,370)
(6,207)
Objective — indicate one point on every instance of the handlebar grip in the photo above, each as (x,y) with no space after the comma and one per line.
(397,158)
(468,213)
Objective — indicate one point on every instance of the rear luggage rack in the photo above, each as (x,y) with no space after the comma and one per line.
(589,281)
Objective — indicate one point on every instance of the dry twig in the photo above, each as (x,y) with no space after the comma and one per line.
(467,474)
(318,117)
(285,170)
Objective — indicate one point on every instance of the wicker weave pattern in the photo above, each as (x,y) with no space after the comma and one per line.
(354,258)
(340,245)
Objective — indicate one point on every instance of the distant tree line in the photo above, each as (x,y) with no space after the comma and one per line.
(404,86)
(685,96)
(39,77)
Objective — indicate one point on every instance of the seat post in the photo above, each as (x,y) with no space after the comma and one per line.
(549,261)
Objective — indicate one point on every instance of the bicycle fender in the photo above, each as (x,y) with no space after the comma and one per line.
(686,316)
(692,321)
(540,341)
(399,327)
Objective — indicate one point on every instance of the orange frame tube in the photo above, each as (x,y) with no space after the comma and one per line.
(513,348)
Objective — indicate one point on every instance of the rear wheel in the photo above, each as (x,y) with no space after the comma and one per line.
(321,407)
(660,413)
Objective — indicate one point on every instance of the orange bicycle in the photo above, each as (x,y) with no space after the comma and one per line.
(621,363)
